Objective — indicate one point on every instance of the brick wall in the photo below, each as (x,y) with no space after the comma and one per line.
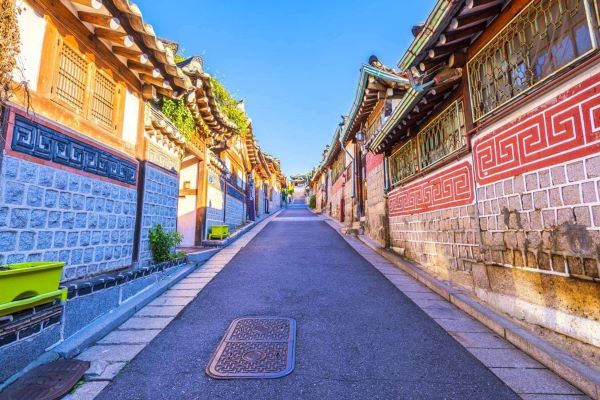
(159,205)
(375,224)
(49,214)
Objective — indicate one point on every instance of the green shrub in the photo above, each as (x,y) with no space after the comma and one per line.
(162,244)
(312,203)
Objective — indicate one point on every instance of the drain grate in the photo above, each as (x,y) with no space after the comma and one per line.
(47,382)
(255,347)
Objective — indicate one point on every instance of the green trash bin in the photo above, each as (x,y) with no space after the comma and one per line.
(27,285)
(219,232)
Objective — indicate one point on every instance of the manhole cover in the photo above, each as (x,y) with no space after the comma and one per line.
(47,382)
(255,347)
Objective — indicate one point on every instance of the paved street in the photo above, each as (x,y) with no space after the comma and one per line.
(358,336)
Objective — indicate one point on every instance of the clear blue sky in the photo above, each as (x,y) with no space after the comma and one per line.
(295,63)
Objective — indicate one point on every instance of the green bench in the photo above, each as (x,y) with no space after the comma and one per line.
(218,232)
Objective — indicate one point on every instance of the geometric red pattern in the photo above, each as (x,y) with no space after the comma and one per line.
(373,161)
(450,188)
(562,129)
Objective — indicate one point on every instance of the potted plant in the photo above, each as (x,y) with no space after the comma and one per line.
(27,285)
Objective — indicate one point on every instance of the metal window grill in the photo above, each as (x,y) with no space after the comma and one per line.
(103,97)
(72,78)
(544,38)
(404,162)
(443,136)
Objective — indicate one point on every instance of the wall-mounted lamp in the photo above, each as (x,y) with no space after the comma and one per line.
(186,185)
(360,136)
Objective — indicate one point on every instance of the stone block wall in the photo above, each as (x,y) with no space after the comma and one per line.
(438,228)
(261,202)
(235,208)
(335,199)
(547,220)
(159,205)
(52,214)
(375,217)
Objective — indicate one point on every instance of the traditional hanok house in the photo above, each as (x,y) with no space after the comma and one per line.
(493,157)
(273,194)
(213,192)
(262,185)
(379,90)
(87,166)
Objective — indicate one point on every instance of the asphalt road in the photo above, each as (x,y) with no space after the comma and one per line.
(358,336)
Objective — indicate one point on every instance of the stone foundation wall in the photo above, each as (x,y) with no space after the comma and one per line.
(438,229)
(159,205)
(52,214)
(375,217)
(335,198)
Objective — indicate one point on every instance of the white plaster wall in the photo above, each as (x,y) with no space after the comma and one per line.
(131,118)
(186,209)
(32,28)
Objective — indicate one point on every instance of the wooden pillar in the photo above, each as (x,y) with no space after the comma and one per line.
(201,200)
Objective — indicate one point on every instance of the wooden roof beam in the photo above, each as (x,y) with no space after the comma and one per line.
(459,34)
(117,37)
(95,4)
(144,68)
(130,54)
(105,21)
(476,16)
(477,3)
(441,51)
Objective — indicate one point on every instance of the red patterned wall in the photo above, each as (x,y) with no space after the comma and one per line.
(564,128)
(450,188)
(373,161)
(339,183)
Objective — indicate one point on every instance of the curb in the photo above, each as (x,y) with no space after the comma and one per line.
(99,328)
(573,370)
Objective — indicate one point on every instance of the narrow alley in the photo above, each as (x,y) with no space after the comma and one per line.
(358,336)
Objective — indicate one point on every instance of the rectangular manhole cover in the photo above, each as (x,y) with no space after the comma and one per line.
(47,382)
(255,347)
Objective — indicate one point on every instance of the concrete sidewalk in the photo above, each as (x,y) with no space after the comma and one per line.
(358,336)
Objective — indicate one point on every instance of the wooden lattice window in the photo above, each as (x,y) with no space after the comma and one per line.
(542,39)
(103,100)
(404,162)
(72,78)
(444,135)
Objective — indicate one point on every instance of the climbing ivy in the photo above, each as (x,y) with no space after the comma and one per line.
(179,114)
(230,106)
(9,46)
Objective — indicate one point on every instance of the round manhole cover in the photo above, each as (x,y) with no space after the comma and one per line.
(254,356)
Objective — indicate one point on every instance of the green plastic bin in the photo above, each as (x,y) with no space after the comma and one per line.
(27,285)
(218,232)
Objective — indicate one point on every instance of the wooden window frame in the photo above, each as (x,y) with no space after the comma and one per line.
(88,90)
(58,98)
(92,89)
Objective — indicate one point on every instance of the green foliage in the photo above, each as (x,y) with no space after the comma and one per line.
(229,105)
(162,244)
(312,203)
(180,115)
